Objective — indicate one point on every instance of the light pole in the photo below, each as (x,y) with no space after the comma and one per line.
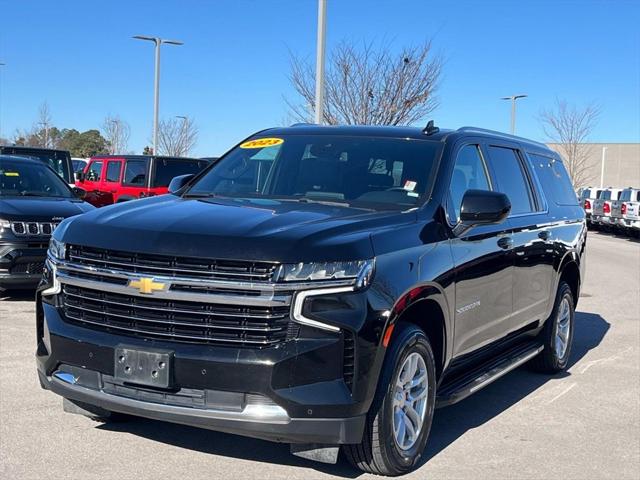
(156,82)
(513,99)
(1,65)
(322,24)
(604,156)
(183,133)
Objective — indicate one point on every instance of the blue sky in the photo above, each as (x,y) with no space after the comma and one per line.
(231,74)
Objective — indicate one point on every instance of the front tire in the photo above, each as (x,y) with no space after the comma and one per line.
(557,334)
(400,417)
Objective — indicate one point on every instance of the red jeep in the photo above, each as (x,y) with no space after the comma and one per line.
(117,178)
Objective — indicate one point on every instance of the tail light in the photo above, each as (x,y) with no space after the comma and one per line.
(623,209)
(606,208)
(587,204)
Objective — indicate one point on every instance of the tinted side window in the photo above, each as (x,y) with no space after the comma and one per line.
(93,173)
(554,179)
(135,173)
(113,171)
(167,169)
(511,178)
(469,172)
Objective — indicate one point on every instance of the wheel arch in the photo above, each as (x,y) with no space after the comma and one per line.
(570,272)
(425,306)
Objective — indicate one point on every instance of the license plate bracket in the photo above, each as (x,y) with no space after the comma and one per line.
(152,368)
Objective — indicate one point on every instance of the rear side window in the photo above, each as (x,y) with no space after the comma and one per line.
(511,179)
(94,171)
(135,173)
(167,169)
(113,171)
(554,179)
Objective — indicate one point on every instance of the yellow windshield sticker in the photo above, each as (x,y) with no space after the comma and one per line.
(262,142)
(11,174)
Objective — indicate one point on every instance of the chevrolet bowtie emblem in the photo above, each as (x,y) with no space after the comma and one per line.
(146,285)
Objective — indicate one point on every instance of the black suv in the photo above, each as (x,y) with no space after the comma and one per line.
(33,201)
(319,286)
(58,160)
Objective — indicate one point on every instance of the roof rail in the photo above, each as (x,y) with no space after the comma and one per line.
(499,134)
(302,124)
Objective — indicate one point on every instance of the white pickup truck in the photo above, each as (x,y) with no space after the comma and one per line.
(601,216)
(587,197)
(625,212)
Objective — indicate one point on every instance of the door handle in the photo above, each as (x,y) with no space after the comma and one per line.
(505,243)
(544,235)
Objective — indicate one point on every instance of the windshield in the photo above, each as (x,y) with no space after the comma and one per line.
(58,160)
(370,172)
(30,179)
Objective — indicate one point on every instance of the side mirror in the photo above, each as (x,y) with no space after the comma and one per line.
(178,182)
(481,207)
(79,176)
(79,192)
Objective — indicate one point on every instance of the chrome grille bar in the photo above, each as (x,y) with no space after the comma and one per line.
(227,298)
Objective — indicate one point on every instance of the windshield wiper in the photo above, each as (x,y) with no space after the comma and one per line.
(33,194)
(199,195)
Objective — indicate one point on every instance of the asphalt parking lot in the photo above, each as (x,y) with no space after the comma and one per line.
(583,424)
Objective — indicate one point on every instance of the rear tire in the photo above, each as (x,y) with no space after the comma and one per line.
(557,334)
(400,416)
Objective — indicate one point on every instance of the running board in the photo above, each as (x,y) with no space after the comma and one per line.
(487,373)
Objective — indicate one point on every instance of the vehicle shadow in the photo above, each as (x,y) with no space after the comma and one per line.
(449,423)
(452,422)
(18,295)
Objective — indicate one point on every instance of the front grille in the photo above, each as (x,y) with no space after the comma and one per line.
(172,266)
(31,267)
(194,322)
(33,228)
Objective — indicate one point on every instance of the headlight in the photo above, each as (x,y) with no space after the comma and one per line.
(359,270)
(4,225)
(57,249)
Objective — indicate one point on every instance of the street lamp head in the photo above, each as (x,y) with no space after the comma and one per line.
(144,37)
(172,42)
(513,97)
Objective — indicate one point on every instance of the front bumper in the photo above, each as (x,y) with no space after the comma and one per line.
(21,264)
(258,422)
(300,382)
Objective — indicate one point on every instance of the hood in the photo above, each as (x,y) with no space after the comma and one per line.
(40,209)
(234,229)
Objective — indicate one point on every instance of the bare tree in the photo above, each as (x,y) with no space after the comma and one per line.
(177,136)
(43,126)
(116,131)
(369,85)
(570,127)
